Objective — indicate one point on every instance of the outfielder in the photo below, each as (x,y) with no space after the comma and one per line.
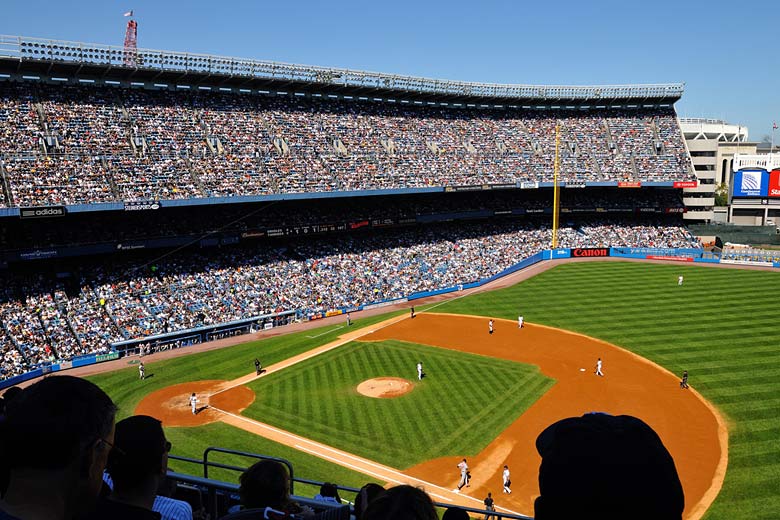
(419,371)
(506,482)
(680,280)
(141,371)
(519,322)
(194,403)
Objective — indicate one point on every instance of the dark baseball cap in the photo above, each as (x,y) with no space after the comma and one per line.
(606,466)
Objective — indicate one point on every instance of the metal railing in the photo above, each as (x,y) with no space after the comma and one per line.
(39,49)
(212,486)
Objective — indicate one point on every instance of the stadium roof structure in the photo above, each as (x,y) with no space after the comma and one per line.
(27,56)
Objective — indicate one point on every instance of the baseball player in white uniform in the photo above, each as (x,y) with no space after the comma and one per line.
(419,371)
(505,478)
(680,280)
(141,371)
(464,475)
(598,368)
(490,327)
(194,403)
(520,322)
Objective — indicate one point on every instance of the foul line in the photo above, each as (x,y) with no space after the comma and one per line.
(316,351)
(362,465)
(326,332)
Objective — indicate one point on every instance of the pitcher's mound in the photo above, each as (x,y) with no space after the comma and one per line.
(385,387)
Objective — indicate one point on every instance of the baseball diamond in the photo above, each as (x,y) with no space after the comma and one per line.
(380,279)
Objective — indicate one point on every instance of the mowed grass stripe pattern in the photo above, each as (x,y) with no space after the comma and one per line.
(127,390)
(721,325)
(464,402)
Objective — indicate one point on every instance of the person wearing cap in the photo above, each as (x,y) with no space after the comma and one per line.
(137,464)
(55,442)
(606,467)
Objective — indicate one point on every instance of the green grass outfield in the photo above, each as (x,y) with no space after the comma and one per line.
(469,400)
(721,325)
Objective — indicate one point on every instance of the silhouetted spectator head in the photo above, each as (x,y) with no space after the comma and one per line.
(402,503)
(329,492)
(140,454)
(265,484)
(57,436)
(607,467)
(455,513)
(11,392)
(365,496)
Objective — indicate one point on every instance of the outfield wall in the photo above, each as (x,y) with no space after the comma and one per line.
(199,335)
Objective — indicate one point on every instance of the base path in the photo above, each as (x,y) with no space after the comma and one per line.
(690,428)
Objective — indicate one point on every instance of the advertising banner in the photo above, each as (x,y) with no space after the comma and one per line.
(529,185)
(574,185)
(750,183)
(38,254)
(686,184)
(747,262)
(48,211)
(774,184)
(635,184)
(674,258)
(142,205)
(589,252)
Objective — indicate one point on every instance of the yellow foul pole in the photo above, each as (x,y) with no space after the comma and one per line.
(556,189)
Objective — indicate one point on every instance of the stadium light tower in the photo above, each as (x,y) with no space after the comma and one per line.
(131,41)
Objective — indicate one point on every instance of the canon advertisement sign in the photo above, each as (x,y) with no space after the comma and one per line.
(49,211)
(586,252)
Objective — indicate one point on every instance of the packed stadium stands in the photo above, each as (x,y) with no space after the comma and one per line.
(115,301)
(68,144)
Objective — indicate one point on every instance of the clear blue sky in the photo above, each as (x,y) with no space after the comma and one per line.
(727,53)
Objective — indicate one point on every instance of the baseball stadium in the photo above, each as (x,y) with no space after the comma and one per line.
(373,277)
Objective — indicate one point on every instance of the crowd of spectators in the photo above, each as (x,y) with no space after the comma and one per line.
(127,301)
(192,222)
(77,144)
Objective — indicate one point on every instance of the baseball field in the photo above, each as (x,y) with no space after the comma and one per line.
(485,396)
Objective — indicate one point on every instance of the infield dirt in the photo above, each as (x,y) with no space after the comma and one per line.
(689,427)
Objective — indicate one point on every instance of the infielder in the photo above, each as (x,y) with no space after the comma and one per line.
(490,327)
(680,280)
(506,482)
(141,371)
(598,368)
(419,371)
(194,403)
(464,474)
(519,322)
